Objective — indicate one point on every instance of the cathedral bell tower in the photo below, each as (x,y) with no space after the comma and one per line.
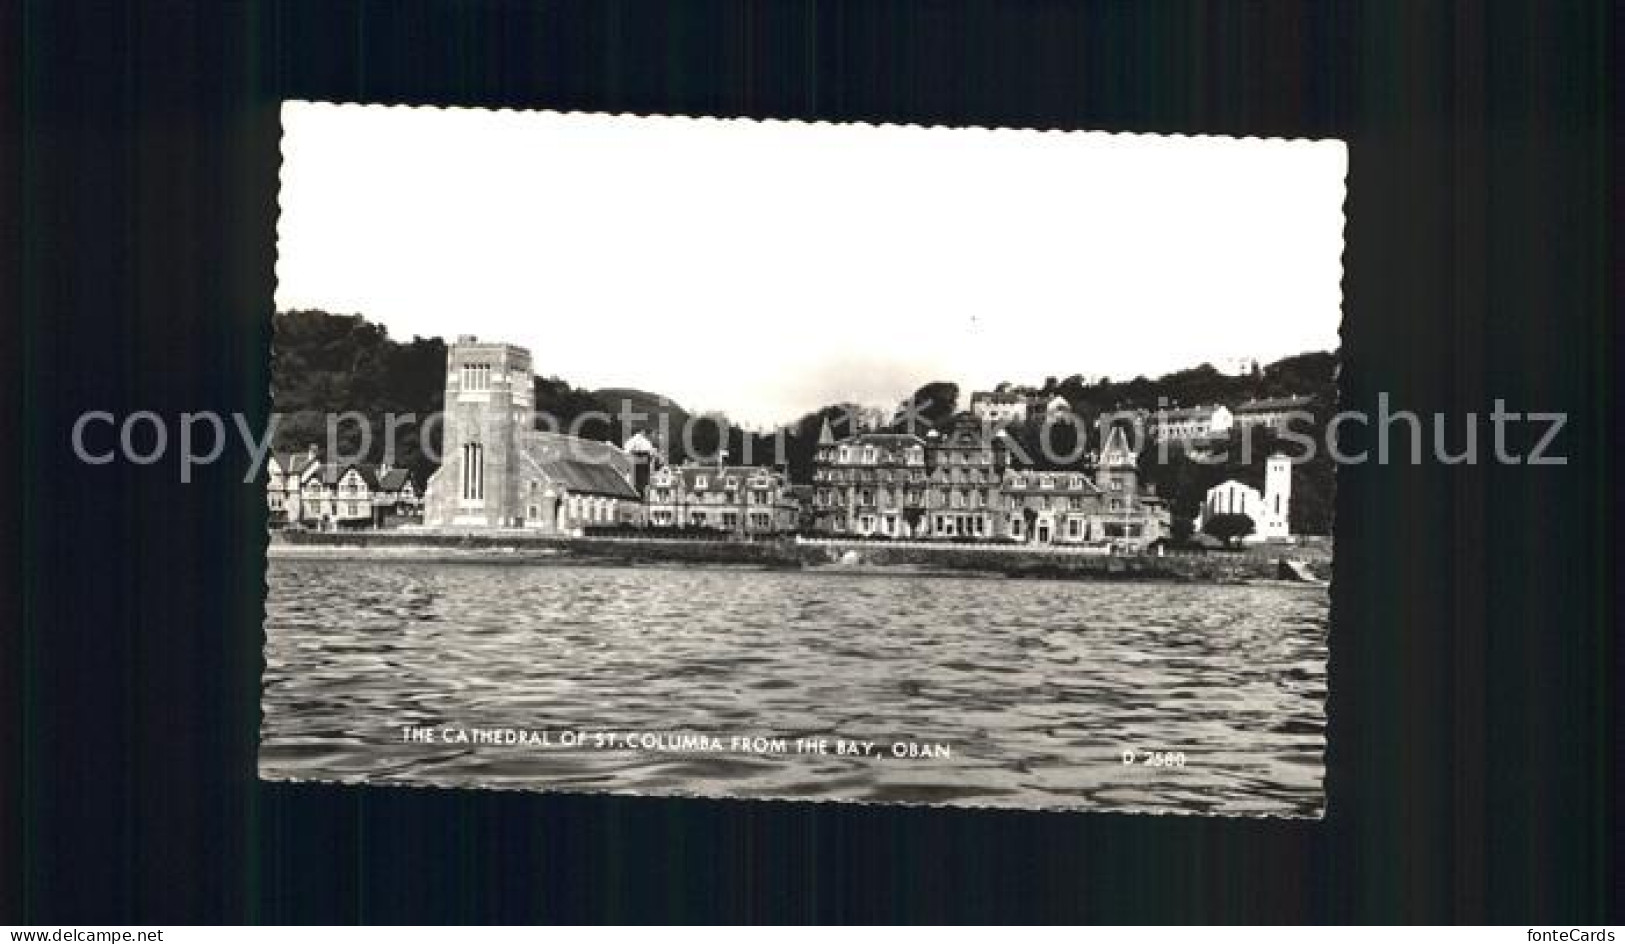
(1278,487)
(486,410)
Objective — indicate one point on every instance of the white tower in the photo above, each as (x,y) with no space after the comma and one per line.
(1278,494)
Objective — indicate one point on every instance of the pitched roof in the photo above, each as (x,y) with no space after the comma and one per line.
(333,472)
(716,477)
(1116,448)
(639,443)
(1240,481)
(588,478)
(1272,404)
(394,479)
(294,462)
(1061,482)
(966,429)
(1179,413)
(891,440)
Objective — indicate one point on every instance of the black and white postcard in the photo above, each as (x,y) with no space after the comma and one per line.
(814,462)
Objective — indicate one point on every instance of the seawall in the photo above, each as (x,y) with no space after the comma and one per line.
(1256,563)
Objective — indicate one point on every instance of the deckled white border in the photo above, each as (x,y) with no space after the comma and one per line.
(361,781)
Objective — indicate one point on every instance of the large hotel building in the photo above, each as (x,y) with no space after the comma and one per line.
(968,482)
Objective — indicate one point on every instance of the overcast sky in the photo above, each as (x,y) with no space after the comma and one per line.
(765,269)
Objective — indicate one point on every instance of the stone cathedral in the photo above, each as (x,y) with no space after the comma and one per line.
(498,471)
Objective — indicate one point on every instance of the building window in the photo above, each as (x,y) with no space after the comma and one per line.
(476,377)
(473,472)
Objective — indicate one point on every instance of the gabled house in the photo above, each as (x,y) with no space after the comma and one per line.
(738,499)
(284,487)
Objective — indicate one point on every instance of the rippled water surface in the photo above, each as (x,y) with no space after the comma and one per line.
(1036,688)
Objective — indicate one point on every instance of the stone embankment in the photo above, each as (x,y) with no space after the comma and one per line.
(1253,563)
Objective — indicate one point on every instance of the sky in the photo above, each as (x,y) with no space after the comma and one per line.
(765,269)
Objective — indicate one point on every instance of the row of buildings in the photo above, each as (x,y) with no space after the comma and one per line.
(963,482)
(1177,424)
(305,491)
(1209,421)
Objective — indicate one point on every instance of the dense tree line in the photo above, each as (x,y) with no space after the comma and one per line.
(324,366)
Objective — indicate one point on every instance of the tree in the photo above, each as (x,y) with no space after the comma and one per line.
(801,436)
(932,405)
(1229,528)
(1063,441)
(323,365)
(562,408)
(706,437)
(1181,529)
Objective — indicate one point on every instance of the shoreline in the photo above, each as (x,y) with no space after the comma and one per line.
(1250,565)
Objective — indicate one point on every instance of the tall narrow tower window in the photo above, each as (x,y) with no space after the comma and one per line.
(473,472)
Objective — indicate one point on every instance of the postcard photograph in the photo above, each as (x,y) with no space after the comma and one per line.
(814,462)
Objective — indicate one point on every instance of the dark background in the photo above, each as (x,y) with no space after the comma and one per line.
(1473,764)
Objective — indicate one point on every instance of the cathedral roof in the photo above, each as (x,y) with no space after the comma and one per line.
(587,478)
(580,465)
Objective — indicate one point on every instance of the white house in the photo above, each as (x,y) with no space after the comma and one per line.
(1192,422)
(285,481)
(999,407)
(1271,511)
